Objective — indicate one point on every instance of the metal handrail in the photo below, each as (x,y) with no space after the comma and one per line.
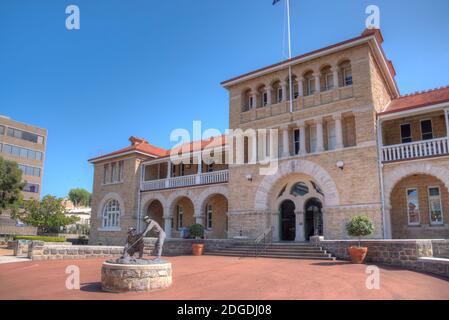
(263,241)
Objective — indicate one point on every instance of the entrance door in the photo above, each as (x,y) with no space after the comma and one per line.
(313,225)
(288,221)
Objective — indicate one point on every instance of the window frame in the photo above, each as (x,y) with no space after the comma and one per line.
(265,99)
(313,138)
(109,216)
(430,207)
(280,94)
(296,142)
(421,129)
(400,133)
(331,124)
(209,217)
(408,211)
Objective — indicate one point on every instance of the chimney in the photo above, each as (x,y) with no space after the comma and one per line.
(136,141)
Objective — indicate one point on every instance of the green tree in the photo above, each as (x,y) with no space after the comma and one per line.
(11,186)
(48,215)
(80,197)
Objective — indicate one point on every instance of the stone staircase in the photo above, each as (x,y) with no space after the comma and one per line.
(278,250)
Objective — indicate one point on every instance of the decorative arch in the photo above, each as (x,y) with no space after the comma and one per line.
(106,198)
(321,176)
(206,194)
(174,197)
(405,170)
(148,199)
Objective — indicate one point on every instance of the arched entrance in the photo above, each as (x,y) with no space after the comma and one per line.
(288,221)
(313,224)
(156,212)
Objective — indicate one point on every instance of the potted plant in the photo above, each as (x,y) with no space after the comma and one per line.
(359,226)
(197,232)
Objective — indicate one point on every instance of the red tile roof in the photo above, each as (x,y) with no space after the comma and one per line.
(141,145)
(137,145)
(418,99)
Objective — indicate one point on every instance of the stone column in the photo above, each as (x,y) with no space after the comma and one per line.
(446,118)
(319,135)
(285,144)
(200,169)
(167,227)
(169,168)
(199,218)
(302,137)
(317,82)
(300,87)
(299,226)
(269,97)
(335,74)
(284,91)
(254,96)
(338,132)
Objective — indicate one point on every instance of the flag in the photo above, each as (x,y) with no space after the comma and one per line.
(275,1)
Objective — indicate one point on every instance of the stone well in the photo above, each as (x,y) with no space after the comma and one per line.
(136,277)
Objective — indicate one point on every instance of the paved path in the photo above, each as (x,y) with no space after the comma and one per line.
(210,277)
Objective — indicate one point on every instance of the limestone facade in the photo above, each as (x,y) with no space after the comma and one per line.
(340,151)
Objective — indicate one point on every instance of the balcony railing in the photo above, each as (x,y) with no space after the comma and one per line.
(416,150)
(186,181)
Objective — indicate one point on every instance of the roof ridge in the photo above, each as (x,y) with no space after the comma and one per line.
(423,91)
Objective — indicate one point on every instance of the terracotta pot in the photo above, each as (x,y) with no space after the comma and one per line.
(358,254)
(197,249)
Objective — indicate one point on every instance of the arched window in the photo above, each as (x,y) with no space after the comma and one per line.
(309,84)
(247,100)
(300,189)
(111,214)
(345,74)
(327,79)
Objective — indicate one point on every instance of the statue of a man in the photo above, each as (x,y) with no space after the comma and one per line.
(151,224)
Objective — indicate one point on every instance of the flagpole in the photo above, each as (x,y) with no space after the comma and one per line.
(289,55)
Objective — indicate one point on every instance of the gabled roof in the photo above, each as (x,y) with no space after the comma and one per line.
(418,100)
(138,145)
(364,37)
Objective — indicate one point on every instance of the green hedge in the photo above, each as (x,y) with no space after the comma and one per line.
(40,238)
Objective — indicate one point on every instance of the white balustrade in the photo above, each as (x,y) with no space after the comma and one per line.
(414,150)
(185,181)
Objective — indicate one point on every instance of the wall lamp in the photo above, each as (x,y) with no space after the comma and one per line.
(340,164)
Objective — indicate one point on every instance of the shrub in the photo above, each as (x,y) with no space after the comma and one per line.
(360,226)
(196,230)
(41,238)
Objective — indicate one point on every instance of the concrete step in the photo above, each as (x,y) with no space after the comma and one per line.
(278,248)
(277,252)
(277,256)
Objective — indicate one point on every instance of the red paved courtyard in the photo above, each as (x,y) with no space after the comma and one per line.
(209,277)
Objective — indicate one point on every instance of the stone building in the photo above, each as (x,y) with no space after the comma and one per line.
(347,143)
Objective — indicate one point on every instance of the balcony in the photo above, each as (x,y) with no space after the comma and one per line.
(186,181)
(416,150)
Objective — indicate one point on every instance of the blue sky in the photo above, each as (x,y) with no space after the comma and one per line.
(145,67)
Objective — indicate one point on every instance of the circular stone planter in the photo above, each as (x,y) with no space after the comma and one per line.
(136,278)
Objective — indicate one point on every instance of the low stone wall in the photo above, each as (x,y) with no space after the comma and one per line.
(21,247)
(172,247)
(410,254)
(41,251)
(440,248)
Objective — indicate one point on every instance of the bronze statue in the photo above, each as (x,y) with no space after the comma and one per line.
(135,243)
(159,231)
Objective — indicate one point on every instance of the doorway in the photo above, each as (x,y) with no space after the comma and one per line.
(313,224)
(288,221)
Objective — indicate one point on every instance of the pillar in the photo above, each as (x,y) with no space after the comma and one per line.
(285,146)
(284,91)
(319,135)
(335,74)
(300,87)
(169,168)
(254,97)
(167,227)
(338,131)
(302,137)
(299,226)
(317,82)
(269,97)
